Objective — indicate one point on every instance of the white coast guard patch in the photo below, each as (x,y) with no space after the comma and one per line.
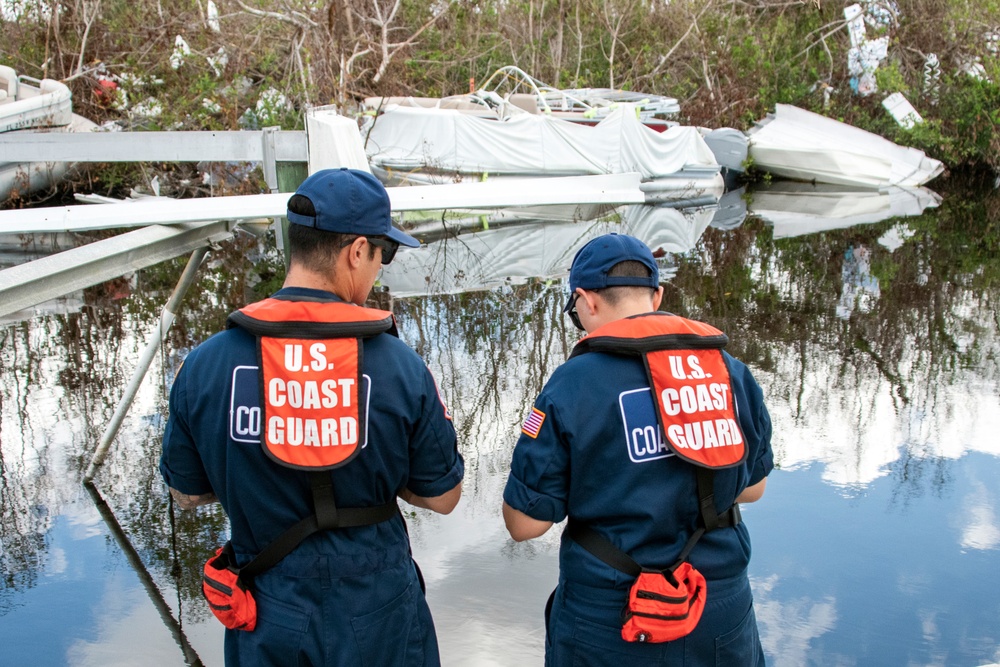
(643,435)
(533,423)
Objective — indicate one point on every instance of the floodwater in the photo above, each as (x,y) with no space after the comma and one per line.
(870,320)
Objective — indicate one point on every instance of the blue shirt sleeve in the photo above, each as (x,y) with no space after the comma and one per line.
(180,463)
(538,483)
(436,466)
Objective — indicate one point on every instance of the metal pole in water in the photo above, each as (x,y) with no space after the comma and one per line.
(166,614)
(166,319)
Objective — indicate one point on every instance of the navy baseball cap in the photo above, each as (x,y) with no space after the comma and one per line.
(594,260)
(348,201)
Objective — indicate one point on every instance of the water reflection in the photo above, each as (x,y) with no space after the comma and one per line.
(873,335)
(488,250)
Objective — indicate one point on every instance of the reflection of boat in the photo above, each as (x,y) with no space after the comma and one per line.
(802,208)
(407,145)
(538,243)
(30,104)
(804,146)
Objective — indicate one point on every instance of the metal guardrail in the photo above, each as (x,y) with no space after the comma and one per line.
(188,146)
(29,284)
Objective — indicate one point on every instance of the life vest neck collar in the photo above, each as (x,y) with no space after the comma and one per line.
(655,330)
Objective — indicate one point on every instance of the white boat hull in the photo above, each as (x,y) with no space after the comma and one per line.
(803,146)
(30,104)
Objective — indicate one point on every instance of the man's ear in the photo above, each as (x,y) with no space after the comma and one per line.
(589,300)
(355,252)
(657,297)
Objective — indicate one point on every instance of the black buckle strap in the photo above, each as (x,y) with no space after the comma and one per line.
(602,548)
(326,516)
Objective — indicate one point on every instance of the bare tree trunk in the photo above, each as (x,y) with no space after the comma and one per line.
(579,49)
(558,47)
(90,11)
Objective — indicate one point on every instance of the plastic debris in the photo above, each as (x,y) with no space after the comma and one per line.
(900,108)
(865,55)
(181,51)
(881,14)
(932,78)
(212,17)
(148,108)
(975,69)
(219,61)
(105,91)
(271,105)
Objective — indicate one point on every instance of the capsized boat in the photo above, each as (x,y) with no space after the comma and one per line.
(414,145)
(510,91)
(805,146)
(40,105)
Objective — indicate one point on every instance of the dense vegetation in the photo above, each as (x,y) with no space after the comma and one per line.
(260,62)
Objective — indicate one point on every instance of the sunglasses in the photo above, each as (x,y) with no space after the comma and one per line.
(574,316)
(389,247)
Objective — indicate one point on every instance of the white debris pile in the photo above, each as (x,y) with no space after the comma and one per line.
(271,106)
(865,55)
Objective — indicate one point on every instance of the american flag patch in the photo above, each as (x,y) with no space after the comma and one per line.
(533,423)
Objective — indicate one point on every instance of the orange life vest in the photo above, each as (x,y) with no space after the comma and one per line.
(310,355)
(689,379)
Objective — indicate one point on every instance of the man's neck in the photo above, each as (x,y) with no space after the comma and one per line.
(306,279)
(624,309)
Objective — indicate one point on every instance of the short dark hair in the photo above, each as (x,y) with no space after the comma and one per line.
(315,249)
(631,269)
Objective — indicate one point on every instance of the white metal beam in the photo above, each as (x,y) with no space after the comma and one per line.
(601,189)
(29,284)
(188,146)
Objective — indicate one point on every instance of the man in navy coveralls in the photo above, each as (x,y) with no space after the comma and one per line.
(349,596)
(591,450)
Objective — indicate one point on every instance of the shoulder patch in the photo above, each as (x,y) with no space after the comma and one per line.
(533,423)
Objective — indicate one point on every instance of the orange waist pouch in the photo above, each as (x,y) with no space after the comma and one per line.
(664,606)
(228,596)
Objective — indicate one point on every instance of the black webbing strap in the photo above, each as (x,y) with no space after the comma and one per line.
(326,516)
(602,548)
(710,519)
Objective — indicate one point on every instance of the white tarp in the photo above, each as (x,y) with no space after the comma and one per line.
(406,138)
(805,146)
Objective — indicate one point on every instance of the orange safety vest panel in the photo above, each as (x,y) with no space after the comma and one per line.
(689,379)
(310,356)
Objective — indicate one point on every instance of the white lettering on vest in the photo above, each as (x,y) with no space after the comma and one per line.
(293,357)
(307,394)
(316,351)
(296,431)
(705,434)
(697,398)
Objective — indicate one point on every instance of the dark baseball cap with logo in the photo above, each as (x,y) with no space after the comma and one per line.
(346,201)
(594,260)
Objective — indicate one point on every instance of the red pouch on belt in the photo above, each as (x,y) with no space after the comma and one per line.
(228,597)
(662,606)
